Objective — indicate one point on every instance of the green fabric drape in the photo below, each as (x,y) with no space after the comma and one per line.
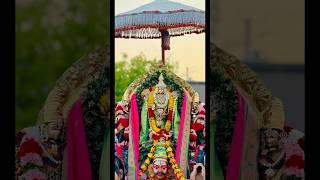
(144,123)
(176,122)
(104,170)
(215,168)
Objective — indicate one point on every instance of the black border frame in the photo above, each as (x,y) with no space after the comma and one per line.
(7,79)
(307,75)
(112,88)
(208,85)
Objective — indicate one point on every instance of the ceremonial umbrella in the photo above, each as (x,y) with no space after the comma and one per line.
(160,19)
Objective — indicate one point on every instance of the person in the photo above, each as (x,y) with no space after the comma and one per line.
(198,172)
(119,169)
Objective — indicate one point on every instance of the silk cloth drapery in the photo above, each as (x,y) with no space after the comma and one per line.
(244,165)
(181,155)
(182,146)
(215,168)
(78,166)
(133,149)
(104,169)
(234,162)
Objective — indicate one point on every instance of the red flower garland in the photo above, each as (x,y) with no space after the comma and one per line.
(30,146)
(295,161)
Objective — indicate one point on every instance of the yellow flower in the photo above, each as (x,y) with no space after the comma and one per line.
(179,175)
(147,161)
(154,125)
(151,99)
(169,149)
(171,101)
(174,166)
(155,142)
(172,160)
(177,171)
(150,155)
(153,149)
(168,143)
(168,125)
(143,167)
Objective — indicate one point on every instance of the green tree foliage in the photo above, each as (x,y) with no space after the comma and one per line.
(127,71)
(50,36)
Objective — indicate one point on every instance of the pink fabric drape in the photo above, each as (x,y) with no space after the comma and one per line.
(78,165)
(234,162)
(134,120)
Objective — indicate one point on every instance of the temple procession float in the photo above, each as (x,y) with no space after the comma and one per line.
(160,127)
(160,122)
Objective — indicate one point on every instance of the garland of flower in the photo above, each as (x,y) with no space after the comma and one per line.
(152,80)
(151,114)
(177,171)
(225,106)
(29,160)
(95,118)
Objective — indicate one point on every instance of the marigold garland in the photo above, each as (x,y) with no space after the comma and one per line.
(151,114)
(177,171)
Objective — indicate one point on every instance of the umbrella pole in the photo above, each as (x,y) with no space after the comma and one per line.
(163,56)
(162,51)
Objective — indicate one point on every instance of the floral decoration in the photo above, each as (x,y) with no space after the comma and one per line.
(96,117)
(224,106)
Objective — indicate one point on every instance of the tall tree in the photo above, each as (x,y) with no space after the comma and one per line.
(127,71)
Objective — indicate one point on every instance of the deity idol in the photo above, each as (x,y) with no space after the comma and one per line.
(161,136)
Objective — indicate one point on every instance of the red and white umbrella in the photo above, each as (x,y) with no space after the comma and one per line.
(160,19)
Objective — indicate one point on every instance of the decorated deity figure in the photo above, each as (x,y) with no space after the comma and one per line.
(159,169)
(39,151)
(160,106)
(164,128)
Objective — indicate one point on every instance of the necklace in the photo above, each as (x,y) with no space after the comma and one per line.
(49,155)
(159,101)
(153,100)
(269,168)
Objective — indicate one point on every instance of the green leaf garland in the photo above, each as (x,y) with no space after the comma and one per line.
(224,106)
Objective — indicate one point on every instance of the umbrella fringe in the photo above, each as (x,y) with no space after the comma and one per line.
(146,25)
